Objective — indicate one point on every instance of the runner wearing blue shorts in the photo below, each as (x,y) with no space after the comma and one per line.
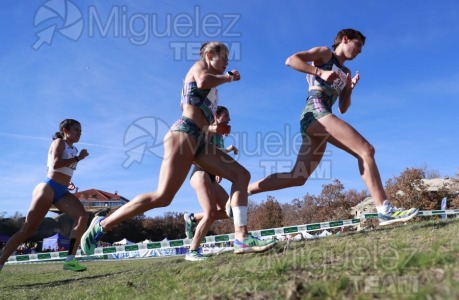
(63,158)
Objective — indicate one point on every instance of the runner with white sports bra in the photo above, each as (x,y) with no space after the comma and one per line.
(184,145)
(63,158)
(70,152)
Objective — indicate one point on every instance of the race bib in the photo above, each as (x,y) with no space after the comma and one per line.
(339,83)
(212,100)
(73,166)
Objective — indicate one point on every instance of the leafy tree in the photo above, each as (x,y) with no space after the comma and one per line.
(333,203)
(268,214)
(169,226)
(131,229)
(408,190)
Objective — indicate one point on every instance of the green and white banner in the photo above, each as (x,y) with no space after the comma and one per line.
(164,245)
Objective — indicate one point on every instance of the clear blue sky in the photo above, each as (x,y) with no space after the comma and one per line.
(118,66)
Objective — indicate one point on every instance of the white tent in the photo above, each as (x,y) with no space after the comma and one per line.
(325,233)
(281,237)
(297,236)
(55,242)
(147,241)
(123,242)
(307,235)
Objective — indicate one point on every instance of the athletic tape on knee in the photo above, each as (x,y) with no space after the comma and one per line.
(240,215)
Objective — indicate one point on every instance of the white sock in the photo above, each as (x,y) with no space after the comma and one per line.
(70,257)
(385,208)
(240,215)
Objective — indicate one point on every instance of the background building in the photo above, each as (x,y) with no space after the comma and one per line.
(94,200)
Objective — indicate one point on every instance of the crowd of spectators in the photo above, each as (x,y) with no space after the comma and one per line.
(32,248)
(27,248)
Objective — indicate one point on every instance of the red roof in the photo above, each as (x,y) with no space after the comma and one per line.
(94,194)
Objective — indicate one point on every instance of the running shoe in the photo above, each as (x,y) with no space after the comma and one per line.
(92,235)
(394,214)
(194,255)
(189,225)
(252,244)
(74,265)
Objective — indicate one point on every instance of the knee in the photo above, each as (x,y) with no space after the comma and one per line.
(83,219)
(243,177)
(240,178)
(161,199)
(198,179)
(300,173)
(368,152)
(298,180)
(211,215)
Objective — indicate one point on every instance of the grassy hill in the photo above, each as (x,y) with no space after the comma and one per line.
(414,261)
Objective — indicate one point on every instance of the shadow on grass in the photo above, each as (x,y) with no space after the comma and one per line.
(436,223)
(63,282)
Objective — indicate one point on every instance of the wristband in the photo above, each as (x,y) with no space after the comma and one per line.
(231,75)
(77,158)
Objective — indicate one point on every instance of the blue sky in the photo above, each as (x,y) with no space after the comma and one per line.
(118,66)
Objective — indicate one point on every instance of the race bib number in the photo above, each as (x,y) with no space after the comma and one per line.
(212,100)
(73,166)
(339,83)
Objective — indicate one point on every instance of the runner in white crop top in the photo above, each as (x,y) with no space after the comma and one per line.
(69,152)
(62,160)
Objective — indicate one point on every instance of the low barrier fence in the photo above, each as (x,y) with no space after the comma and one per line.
(164,248)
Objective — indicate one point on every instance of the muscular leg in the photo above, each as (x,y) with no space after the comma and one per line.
(70,205)
(179,151)
(204,188)
(340,134)
(311,152)
(221,164)
(42,198)
(220,197)
(345,137)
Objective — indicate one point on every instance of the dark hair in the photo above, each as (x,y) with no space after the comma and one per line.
(351,34)
(67,124)
(221,109)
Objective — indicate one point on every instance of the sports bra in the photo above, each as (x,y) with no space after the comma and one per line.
(338,85)
(69,152)
(205,99)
